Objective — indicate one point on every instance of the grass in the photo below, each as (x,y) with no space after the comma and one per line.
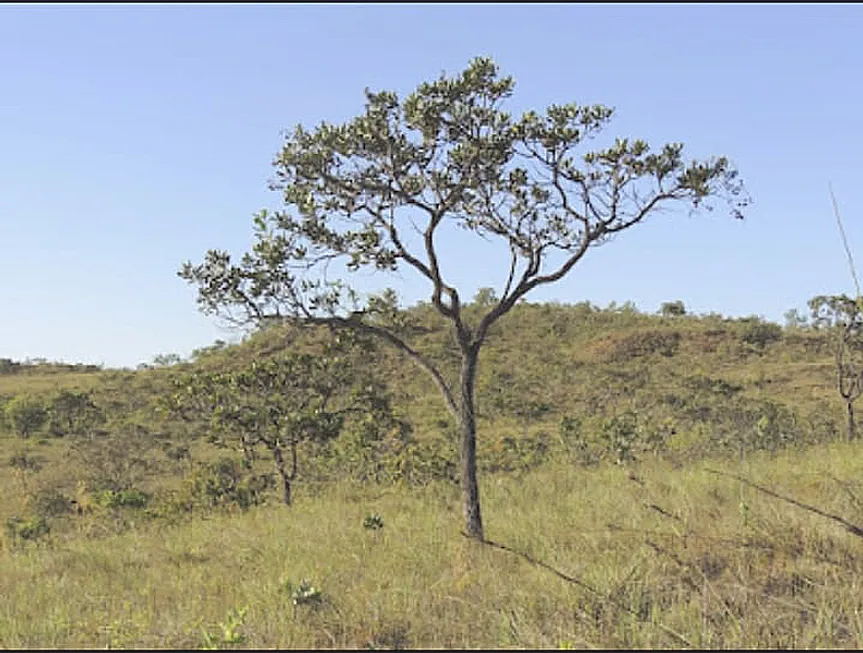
(671,557)
(659,554)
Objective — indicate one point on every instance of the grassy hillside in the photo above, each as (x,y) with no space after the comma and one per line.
(597,429)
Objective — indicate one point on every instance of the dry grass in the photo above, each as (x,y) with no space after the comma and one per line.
(658,557)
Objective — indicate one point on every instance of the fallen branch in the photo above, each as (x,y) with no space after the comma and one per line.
(584,585)
(851,528)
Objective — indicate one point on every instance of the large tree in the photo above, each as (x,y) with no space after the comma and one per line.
(377,191)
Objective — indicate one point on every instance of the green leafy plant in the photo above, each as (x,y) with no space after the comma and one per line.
(373,522)
(73,413)
(304,594)
(227,482)
(230,633)
(27,528)
(25,415)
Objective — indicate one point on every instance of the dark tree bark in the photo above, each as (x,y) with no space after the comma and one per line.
(467,419)
(287,477)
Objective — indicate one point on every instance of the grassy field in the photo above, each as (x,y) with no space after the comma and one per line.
(600,433)
(656,557)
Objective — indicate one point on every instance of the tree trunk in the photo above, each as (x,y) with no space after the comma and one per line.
(286,478)
(467,419)
(851,430)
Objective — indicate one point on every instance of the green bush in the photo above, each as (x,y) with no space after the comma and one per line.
(73,413)
(27,528)
(128,498)
(25,415)
(644,343)
(228,482)
(760,334)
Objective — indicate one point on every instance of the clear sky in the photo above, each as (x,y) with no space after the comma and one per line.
(133,138)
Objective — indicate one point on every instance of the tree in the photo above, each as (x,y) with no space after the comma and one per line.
(447,155)
(166,360)
(281,404)
(843,317)
(25,415)
(794,320)
(672,309)
(485,297)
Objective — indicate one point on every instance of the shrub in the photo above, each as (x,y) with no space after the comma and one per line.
(228,482)
(129,498)
(760,334)
(25,415)
(672,309)
(73,413)
(27,528)
(644,343)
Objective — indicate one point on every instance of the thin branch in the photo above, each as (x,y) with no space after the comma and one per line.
(851,528)
(401,345)
(584,585)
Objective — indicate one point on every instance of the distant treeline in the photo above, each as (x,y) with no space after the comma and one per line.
(9,366)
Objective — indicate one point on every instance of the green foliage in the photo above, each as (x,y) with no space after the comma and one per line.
(128,498)
(291,401)
(304,594)
(27,529)
(672,309)
(117,459)
(228,482)
(644,343)
(795,320)
(373,522)
(229,633)
(25,415)
(485,297)
(842,318)
(73,413)
(759,334)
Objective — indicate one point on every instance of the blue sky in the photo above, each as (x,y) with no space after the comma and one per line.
(133,138)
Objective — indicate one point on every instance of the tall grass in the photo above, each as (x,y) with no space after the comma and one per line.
(657,557)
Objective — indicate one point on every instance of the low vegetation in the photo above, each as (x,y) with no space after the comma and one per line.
(616,452)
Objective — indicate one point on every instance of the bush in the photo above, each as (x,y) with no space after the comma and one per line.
(760,334)
(228,482)
(27,528)
(129,498)
(644,343)
(52,503)
(672,309)
(25,415)
(73,413)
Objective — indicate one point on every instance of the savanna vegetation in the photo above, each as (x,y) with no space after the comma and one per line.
(134,517)
(647,480)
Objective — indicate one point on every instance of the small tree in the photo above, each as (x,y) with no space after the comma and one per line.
(672,309)
(843,317)
(25,415)
(447,155)
(281,404)
(794,320)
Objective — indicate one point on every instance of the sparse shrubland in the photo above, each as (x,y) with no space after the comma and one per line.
(126,524)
